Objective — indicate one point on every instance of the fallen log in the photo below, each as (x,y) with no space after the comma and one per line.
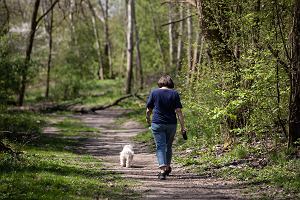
(116,102)
(75,107)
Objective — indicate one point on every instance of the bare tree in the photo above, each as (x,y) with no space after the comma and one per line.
(130,7)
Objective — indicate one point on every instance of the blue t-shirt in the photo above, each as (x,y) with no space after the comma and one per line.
(164,102)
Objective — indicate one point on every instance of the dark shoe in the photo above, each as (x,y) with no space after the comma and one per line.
(162,176)
(168,171)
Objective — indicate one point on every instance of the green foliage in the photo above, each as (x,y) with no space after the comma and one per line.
(240,151)
(73,127)
(15,125)
(10,71)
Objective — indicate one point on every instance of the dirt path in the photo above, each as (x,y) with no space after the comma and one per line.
(181,185)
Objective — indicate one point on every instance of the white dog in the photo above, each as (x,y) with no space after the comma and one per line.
(126,156)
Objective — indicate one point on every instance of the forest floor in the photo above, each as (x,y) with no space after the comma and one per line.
(182,184)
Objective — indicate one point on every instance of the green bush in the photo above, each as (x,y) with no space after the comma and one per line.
(10,71)
(18,124)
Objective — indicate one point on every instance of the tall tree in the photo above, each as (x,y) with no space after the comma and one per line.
(72,25)
(100,72)
(29,46)
(28,51)
(179,46)
(294,120)
(48,27)
(107,61)
(171,39)
(139,68)
(189,43)
(130,7)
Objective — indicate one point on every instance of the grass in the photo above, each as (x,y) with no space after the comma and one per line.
(46,174)
(73,127)
(93,92)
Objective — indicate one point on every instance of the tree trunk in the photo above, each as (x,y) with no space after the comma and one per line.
(49,26)
(107,40)
(140,77)
(196,51)
(171,39)
(189,44)
(107,62)
(294,109)
(200,54)
(130,7)
(98,43)
(72,26)
(28,52)
(179,47)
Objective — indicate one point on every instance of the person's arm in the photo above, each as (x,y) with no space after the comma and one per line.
(148,114)
(181,119)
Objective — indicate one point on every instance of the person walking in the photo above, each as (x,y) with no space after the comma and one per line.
(164,102)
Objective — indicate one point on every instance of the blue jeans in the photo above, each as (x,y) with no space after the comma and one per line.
(163,135)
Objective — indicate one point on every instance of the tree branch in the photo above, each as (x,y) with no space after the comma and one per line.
(192,2)
(43,15)
(179,20)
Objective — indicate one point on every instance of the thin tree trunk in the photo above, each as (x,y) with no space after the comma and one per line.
(171,39)
(196,51)
(195,57)
(189,43)
(129,46)
(98,43)
(179,47)
(72,26)
(49,26)
(294,118)
(107,44)
(200,55)
(123,66)
(107,40)
(28,52)
(140,77)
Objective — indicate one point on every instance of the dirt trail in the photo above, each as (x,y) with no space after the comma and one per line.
(180,185)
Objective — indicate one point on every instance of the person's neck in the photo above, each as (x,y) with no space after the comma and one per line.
(164,88)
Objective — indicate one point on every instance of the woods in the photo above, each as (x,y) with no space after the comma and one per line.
(236,65)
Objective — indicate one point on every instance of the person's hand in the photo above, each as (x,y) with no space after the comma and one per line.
(148,120)
(183,132)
